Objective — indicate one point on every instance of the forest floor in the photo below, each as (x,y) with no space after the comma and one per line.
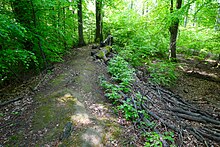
(71,94)
(199,83)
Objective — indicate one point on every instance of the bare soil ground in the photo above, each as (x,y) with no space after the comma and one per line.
(199,83)
(71,93)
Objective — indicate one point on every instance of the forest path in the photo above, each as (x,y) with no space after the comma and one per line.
(73,95)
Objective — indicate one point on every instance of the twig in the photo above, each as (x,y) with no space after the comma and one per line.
(11,101)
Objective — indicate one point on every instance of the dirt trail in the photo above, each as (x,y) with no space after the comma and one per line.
(74,95)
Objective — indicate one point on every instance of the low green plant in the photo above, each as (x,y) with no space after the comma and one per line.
(120,71)
(122,74)
(15,113)
(13,62)
(1,114)
(128,109)
(163,73)
(154,139)
(111,90)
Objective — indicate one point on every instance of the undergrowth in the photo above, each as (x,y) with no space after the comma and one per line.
(163,73)
(117,91)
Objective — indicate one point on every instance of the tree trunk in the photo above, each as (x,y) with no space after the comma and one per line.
(217,25)
(187,13)
(131,5)
(143,8)
(80,24)
(194,11)
(174,30)
(98,35)
(64,28)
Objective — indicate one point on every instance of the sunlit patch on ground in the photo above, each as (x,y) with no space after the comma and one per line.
(81,119)
(93,135)
(98,109)
(67,97)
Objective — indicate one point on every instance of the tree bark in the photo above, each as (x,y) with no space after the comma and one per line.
(64,28)
(80,24)
(217,25)
(187,13)
(98,35)
(132,3)
(143,8)
(174,30)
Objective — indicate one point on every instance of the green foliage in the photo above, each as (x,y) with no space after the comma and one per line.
(205,15)
(198,40)
(11,33)
(111,90)
(123,75)
(163,73)
(18,62)
(120,71)
(154,139)
(45,32)
(138,37)
(130,112)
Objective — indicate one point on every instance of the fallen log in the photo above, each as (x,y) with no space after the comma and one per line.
(107,42)
(168,102)
(103,53)
(195,115)
(103,50)
(210,136)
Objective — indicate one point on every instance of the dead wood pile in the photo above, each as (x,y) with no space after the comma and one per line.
(173,112)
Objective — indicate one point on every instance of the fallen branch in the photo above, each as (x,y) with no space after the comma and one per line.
(11,101)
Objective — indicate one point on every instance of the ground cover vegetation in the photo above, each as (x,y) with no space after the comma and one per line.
(120,92)
(148,34)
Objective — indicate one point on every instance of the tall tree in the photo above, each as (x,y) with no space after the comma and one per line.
(98,35)
(80,24)
(174,29)
(187,12)
(217,25)
(132,4)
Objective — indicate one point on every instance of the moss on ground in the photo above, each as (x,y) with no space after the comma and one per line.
(53,113)
(67,98)
(58,80)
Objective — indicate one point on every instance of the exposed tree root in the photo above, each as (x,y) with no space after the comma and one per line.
(176,114)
